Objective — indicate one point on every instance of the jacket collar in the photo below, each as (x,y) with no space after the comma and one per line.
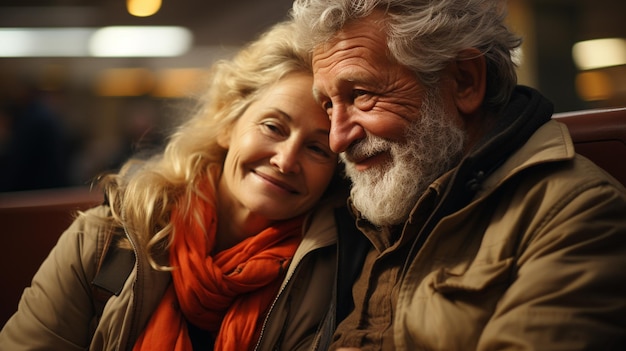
(550,143)
(526,112)
(318,231)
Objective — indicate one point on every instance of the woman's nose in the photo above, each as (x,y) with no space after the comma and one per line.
(286,158)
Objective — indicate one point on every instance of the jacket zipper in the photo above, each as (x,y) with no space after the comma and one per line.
(280,293)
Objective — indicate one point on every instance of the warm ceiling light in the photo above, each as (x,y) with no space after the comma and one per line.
(599,53)
(143,8)
(127,41)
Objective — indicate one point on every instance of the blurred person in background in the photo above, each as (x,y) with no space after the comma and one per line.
(33,143)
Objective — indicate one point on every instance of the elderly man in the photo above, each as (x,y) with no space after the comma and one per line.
(482,229)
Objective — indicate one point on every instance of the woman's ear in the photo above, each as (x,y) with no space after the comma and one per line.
(469,74)
(223,139)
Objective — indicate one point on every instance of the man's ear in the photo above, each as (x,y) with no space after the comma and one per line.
(469,73)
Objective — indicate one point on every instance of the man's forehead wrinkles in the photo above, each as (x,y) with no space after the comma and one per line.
(342,75)
(341,61)
(334,57)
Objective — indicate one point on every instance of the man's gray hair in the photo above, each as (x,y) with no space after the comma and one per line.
(425,35)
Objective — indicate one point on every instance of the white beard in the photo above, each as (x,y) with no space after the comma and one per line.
(386,194)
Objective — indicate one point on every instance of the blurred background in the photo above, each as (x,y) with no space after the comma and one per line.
(84,84)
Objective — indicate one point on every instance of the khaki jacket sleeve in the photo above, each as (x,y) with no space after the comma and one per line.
(56,311)
(569,290)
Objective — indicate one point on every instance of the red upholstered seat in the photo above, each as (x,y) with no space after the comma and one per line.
(31,223)
(600,135)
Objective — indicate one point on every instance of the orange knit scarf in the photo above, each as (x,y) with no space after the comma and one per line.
(227,294)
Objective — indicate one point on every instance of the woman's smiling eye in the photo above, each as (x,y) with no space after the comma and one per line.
(273,128)
(320,151)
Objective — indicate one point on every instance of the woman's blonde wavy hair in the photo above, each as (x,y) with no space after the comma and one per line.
(141,195)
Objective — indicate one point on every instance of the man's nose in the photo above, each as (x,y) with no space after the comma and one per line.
(344,129)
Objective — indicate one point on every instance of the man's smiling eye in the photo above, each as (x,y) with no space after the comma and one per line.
(358,92)
(363,99)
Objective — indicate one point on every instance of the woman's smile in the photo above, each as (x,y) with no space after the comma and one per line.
(275,182)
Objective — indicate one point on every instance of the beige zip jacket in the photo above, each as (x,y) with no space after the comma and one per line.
(536,261)
(57,311)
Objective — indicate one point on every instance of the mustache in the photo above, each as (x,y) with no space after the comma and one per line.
(366,147)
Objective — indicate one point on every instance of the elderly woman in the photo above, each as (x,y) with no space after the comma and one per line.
(231,227)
